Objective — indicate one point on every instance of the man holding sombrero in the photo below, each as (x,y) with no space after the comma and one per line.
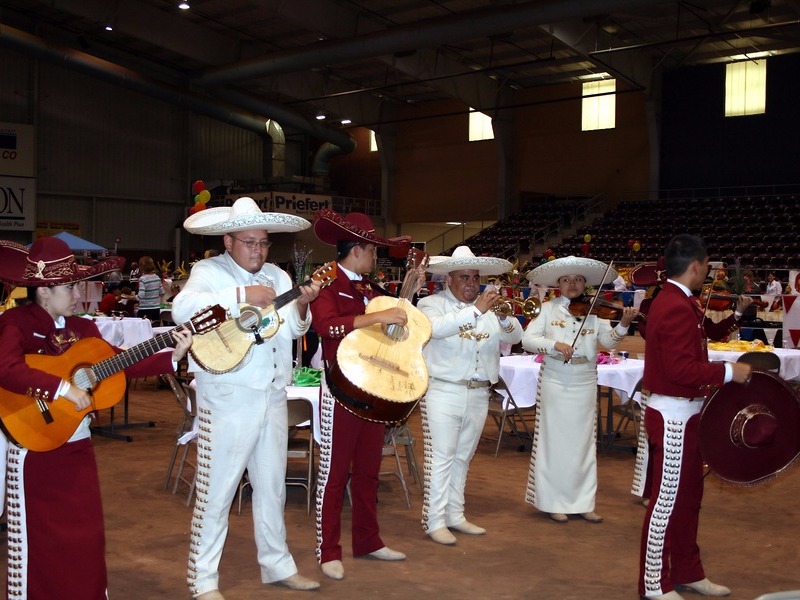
(243,412)
(56,537)
(678,377)
(463,360)
(351,446)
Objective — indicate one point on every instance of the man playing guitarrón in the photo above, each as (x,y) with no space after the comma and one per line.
(351,446)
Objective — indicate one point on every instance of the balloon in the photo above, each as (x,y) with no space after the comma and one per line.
(198,186)
(551,257)
(585,248)
(200,206)
(193,209)
(587,238)
(196,198)
(205,196)
(630,244)
(637,246)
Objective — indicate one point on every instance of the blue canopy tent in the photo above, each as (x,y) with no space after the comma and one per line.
(77,244)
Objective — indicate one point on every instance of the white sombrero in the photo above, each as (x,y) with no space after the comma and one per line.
(463,259)
(548,273)
(244,214)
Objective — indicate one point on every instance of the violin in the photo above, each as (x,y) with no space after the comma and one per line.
(605,309)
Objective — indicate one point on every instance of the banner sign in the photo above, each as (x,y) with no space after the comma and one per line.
(791,321)
(302,205)
(16,150)
(17,203)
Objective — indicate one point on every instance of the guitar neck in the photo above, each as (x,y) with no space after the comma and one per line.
(287,297)
(132,355)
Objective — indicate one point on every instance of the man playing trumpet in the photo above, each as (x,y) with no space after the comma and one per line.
(463,359)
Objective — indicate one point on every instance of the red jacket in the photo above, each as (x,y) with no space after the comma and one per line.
(29,329)
(336,308)
(676,357)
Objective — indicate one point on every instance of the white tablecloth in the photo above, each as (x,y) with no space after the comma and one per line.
(790,360)
(521,374)
(124,332)
(310,393)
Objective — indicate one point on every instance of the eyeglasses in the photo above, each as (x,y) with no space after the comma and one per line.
(252,244)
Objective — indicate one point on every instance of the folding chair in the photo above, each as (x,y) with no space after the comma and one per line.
(505,410)
(185,435)
(394,439)
(629,413)
(301,445)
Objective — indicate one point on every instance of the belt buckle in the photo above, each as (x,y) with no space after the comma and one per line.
(473,383)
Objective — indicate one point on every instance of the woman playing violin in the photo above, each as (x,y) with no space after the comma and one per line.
(562,478)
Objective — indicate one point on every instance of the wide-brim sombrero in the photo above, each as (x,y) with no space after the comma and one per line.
(647,274)
(330,228)
(463,259)
(242,215)
(48,261)
(751,432)
(593,270)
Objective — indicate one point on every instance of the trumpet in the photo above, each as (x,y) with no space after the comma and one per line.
(504,307)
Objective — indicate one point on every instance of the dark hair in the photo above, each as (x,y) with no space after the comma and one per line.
(343,248)
(681,251)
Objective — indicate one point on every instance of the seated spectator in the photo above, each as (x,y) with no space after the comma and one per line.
(173,290)
(110,300)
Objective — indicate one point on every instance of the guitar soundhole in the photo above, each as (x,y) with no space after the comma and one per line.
(249,317)
(398,333)
(84,378)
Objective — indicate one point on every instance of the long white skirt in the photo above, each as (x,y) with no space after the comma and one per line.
(562,477)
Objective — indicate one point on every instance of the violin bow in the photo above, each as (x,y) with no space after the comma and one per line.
(591,306)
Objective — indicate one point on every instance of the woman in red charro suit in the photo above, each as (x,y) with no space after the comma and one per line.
(351,446)
(678,376)
(56,538)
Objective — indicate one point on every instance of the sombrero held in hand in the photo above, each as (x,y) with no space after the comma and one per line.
(751,432)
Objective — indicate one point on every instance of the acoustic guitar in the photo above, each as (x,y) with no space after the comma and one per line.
(221,350)
(92,364)
(379,373)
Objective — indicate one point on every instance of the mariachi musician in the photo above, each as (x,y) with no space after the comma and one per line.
(677,377)
(351,446)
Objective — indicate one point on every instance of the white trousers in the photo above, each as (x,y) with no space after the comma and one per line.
(240,428)
(453,417)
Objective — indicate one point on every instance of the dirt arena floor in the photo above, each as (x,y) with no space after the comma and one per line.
(748,536)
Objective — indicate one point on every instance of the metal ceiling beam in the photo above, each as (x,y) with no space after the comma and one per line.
(107,71)
(425,34)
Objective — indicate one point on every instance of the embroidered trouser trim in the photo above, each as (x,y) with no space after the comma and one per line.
(669,551)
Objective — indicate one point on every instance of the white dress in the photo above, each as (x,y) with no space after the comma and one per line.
(562,477)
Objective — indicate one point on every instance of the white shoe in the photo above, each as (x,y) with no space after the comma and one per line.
(387,553)
(467,527)
(333,569)
(442,536)
(298,582)
(707,588)
(212,595)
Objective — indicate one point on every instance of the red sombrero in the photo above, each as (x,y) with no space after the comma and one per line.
(648,273)
(48,261)
(750,433)
(330,227)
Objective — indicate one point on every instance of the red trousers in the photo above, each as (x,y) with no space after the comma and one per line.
(351,449)
(669,552)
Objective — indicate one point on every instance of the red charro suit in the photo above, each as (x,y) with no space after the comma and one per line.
(351,446)
(677,376)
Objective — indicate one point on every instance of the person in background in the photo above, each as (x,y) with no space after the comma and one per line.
(562,477)
(774,286)
(174,290)
(351,448)
(109,301)
(56,537)
(243,411)
(463,358)
(150,291)
(133,275)
(677,377)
